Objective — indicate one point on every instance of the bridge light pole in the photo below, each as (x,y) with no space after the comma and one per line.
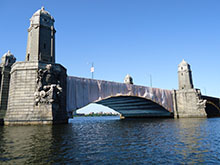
(150,76)
(205,90)
(150,81)
(92,70)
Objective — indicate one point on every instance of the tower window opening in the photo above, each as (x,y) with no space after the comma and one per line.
(45,20)
(28,57)
(44,46)
(0,78)
(182,74)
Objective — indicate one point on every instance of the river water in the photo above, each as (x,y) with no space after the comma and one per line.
(109,140)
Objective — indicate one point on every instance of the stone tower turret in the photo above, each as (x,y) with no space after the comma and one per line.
(185,76)
(128,79)
(41,37)
(37,93)
(8,60)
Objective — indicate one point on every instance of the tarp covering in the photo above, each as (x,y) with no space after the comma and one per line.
(82,91)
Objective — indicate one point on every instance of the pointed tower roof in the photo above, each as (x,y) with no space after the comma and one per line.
(128,79)
(42,11)
(40,15)
(8,59)
(128,76)
(8,54)
(183,63)
(183,66)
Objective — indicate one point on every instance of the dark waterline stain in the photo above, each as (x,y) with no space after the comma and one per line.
(108,140)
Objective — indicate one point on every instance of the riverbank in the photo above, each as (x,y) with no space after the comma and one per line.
(95,114)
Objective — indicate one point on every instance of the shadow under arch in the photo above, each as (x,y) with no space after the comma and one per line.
(134,106)
(212,110)
(212,107)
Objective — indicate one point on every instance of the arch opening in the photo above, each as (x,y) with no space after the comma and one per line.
(133,106)
(212,107)
(94,109)
(212,110)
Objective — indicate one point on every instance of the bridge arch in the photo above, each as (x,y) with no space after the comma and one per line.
(123,98)
(212,109)
(133,106)
(212,106)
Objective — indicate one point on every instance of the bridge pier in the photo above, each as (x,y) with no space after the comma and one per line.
(187,100)
(121,116)
(37,94)
(189,104)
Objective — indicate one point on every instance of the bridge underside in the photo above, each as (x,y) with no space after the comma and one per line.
(129,106)
(212,106)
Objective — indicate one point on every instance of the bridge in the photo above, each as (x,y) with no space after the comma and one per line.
(212,106)
(38,90)
(138,101)
(127,99)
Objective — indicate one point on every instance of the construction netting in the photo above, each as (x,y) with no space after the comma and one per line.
(83,91)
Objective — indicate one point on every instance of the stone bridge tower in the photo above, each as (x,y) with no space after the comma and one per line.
(41,37)
(37,91)
(188,101)
(185,76)
(8,60)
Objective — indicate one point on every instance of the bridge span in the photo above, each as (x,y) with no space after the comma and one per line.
(127,99)
(38,90)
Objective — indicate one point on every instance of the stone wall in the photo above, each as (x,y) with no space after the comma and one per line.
(5,79)
(37,92)
(28,100)
(188,103)
(7,61)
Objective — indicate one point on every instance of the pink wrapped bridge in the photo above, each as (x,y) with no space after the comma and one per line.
(127,99)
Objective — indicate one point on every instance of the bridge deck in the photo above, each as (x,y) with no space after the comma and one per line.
(82,91)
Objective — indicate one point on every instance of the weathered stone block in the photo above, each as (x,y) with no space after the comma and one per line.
(37,94)
(188,103)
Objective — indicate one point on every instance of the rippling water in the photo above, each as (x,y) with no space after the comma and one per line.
(108,140)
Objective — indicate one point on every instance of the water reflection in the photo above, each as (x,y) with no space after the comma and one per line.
(18,142)
(191,135)
(112,141)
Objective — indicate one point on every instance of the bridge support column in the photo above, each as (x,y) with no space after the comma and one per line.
(37,94)
(175,110)
(189,104)
(188,101)
(121,116)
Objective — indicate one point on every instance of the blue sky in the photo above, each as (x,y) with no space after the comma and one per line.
(139,37)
